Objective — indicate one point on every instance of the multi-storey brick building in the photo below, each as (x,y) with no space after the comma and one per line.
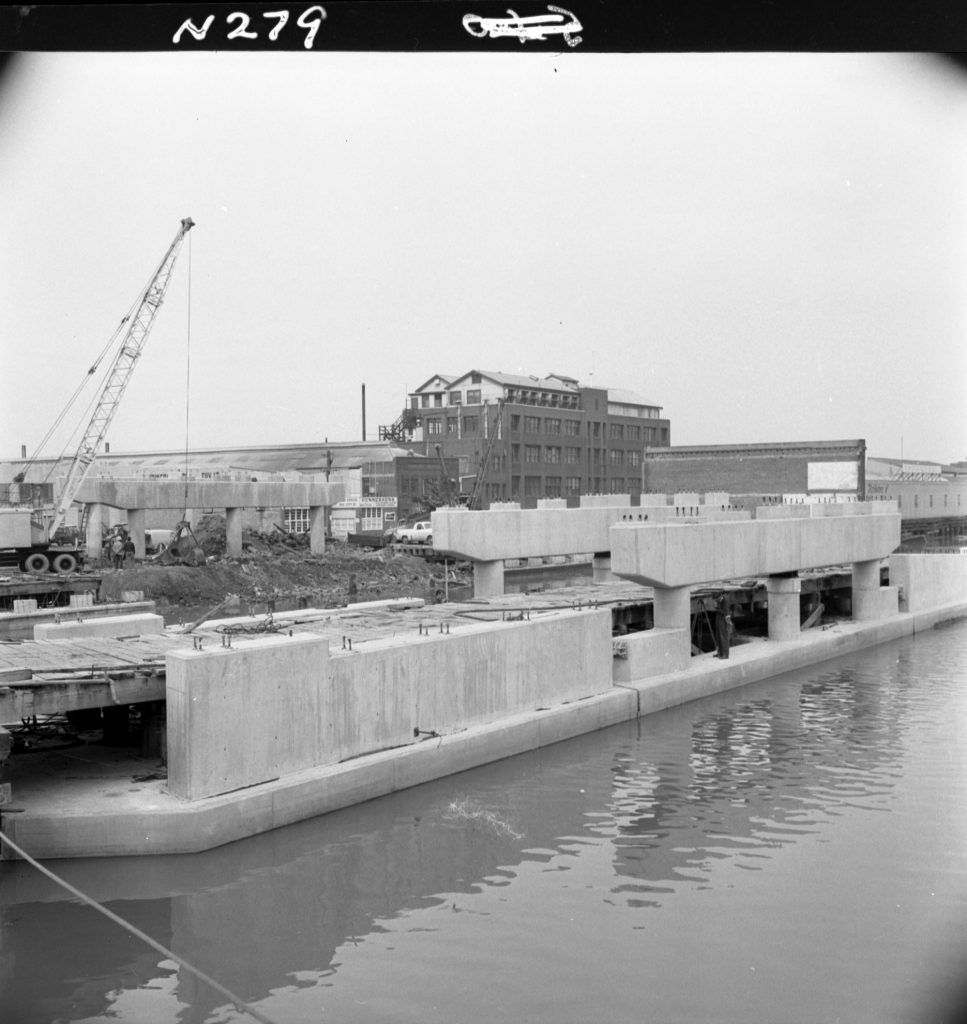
(530,437)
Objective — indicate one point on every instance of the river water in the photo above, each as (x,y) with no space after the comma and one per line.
(793,851)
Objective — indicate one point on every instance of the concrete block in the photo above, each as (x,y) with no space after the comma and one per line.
(246,714)
(929,581)
(109,625)
(875,604)
(25,605)
(81,600)
(442,684)
(651,653)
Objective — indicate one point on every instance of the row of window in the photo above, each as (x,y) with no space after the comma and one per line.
(570,486)
(549,425)
(554,454)
(916,500)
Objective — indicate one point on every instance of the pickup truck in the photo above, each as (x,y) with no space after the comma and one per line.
(418,533)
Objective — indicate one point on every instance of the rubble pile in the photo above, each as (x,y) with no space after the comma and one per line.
(278,568)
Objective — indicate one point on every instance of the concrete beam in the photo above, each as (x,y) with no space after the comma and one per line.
(108,625)
(675,555)
(172,494)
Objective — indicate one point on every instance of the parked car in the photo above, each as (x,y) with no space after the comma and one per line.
(418,533)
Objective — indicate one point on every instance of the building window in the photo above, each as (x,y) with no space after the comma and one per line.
(633,432)
(552,453)
(650,434)
(572,428)
(515,454)
(471,424)
(617,432)
(572,456)
(296,520)
(453,425)
(456,398)
(532,487)
(372,519)
(514,421)
(434,425)
(532,424)
(473,397)
(595,429)
(618,485)
(552,487)
(633,457)
(532,453)
(552,426)
(572,486)
(596,456)
(474,378)
(617,457)
(425,401)
(438,400)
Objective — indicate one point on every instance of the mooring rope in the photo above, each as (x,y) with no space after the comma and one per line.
(238,1003)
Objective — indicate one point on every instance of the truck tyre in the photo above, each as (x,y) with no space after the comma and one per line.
(65,563)
(37,562)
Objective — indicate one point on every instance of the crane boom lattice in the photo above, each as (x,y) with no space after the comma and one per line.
(119,376)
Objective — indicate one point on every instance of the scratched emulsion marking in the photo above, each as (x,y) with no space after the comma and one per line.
(537,27)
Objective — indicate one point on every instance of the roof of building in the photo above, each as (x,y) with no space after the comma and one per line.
(446,379)
(622,396)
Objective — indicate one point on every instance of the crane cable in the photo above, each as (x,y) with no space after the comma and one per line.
(239,1004)
(112,341)
(187,383)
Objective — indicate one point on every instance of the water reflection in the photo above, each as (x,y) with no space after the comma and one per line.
(640,816)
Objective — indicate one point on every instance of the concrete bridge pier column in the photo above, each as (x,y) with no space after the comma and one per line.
(95,523)
(673,608)
(136,530)
(784,621)
(601,567)
(488,579)
(233,532)
(871,602)
(318,517)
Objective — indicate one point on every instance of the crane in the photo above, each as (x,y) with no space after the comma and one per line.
(25,538)
(139,326)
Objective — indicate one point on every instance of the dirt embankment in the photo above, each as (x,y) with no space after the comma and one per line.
(276,567)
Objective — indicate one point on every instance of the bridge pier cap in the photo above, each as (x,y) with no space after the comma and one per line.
(683,554)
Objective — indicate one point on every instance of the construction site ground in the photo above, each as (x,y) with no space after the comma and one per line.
(279,568)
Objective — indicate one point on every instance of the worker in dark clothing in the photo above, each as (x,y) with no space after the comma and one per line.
(723,627)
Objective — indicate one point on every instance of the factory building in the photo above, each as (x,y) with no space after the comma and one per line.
(520,438)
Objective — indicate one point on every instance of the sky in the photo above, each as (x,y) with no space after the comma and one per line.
(771,247)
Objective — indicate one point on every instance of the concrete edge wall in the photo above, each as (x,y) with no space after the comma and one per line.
(925,580)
